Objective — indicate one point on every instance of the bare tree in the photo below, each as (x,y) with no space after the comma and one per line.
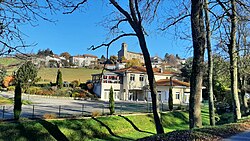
(230,11)
(198,36)
(134,15)
(14,14)
(243,56)
(210,65)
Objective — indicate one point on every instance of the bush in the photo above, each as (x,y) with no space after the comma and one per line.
(11,88)
(111,101)
(49,116)
(75,95)
(59,81)
(95,114)
(33,90)
(74,83)
(222,107)
(226,118)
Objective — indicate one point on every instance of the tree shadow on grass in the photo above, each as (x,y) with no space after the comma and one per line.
(23,131)
(53,130)
(110,131)
(134,126)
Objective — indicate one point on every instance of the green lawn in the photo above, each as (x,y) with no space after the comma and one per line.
(101,128)
(68,74)
(5,101)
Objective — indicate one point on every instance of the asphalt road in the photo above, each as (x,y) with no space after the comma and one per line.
(245,136)
(68,107)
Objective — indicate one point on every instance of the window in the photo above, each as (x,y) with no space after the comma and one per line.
(141,78)
(177,95)
(166,95)
(132,77)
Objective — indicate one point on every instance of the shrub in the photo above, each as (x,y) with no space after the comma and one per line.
(11,88)
(59,81)
(49,116)
(75,83)
(225,118)
(33,90)
(8,81)
(222,107)
(82,95)
(75,95)
(111,101)
(95,114)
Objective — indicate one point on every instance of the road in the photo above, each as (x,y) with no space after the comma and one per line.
(245,136)
(64,107)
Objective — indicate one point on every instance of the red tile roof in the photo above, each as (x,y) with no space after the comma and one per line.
(166,82)
(89,55)
(139,69)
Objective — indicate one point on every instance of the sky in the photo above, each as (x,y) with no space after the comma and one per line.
(75,33)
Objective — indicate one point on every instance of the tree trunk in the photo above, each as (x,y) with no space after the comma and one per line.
(243,93)
(135,22)
(210,66)
(198,35)
(233,64)
(152,84)
(17,101)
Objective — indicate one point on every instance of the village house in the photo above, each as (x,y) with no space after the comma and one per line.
(132,84)
(84,60)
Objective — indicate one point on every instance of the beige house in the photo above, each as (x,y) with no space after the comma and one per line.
(129,55)
(84,60)
(180,90)
(132,84)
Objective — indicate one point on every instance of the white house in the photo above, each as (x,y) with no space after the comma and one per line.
(156,62)
(132,84)
(89,60)
(83,61)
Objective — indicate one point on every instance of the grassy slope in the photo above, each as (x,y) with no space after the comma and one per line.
(49,74)
(10,61)
(68,74)
(102,128)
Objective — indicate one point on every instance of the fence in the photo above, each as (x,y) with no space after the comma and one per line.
(38,111)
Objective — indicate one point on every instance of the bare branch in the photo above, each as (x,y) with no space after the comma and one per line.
(113,40)
(75,7)
(175,22)
(120,9)
(118,23)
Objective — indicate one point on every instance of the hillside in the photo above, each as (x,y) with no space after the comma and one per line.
(49,74)
(68,74)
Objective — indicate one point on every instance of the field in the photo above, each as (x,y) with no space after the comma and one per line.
(49,74)
(68,74)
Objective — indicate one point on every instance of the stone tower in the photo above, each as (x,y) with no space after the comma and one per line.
(123,51)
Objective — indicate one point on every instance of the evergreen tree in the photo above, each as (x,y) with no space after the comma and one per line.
(17,101)
(111,101)
(26,74)
(59,81)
